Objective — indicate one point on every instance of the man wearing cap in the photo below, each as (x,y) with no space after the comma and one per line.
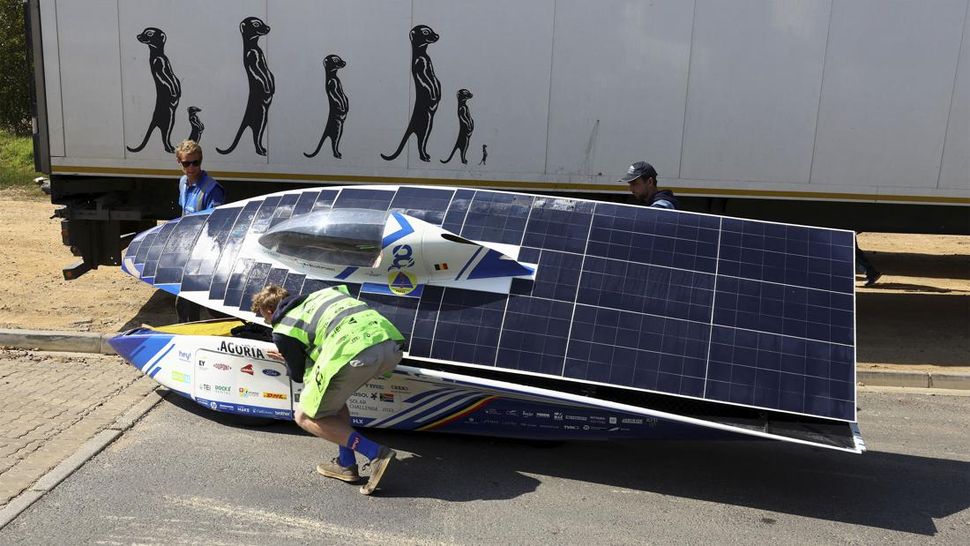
(642,179)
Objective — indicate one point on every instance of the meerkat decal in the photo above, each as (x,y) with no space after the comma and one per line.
(465,126)
(168,90)
(339,104)
(427,92)
(484,154)
(261,85)
(196,123)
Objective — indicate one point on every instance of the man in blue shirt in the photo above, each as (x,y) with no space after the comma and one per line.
(642,179)
(197,192)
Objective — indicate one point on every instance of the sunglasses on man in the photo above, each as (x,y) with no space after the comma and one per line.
(194,162)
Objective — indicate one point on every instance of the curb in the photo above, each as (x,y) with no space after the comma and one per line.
(90,448)
(86,342)
(49,340)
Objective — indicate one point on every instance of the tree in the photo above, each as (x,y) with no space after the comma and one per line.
(14,69)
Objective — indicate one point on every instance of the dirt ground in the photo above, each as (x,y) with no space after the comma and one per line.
(917,315)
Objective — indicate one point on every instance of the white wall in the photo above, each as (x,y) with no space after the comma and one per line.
(840,96)
(955,172)
(886,93)
(87,39)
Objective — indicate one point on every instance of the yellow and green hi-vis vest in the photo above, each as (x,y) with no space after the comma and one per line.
(334,328)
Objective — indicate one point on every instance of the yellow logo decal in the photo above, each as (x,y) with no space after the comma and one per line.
(401,282)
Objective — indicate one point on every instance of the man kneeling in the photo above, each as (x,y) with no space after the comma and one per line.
(348,344)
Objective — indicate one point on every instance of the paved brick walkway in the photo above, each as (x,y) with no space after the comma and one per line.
(52,403)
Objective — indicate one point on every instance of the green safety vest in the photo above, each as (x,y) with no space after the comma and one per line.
(334,327)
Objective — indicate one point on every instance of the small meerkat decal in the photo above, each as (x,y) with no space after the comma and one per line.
(262,85)
(427,93)
(168,90)
(196,123)
(484,154)
(466,125)
(339,105)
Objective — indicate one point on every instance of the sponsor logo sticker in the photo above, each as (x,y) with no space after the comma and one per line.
(248,368)
(246,393)
(271,373)
(181,377)
(223,389)
(402,282)
(185,356)
(221,366)
(387,397)
(274,395)
(238,349)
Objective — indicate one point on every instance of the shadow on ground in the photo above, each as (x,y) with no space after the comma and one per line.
(159,310)
(935,266)
(883,490)
(899,328)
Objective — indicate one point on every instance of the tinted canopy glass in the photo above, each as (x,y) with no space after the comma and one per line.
(350,237)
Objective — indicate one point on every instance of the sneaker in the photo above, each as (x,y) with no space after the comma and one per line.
(334,470)
(378,466)
(872,276)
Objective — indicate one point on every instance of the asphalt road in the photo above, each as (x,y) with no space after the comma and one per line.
(185,475)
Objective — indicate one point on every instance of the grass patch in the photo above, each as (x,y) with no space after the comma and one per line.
(16,162)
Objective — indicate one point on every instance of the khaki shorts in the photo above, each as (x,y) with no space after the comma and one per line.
(371,362)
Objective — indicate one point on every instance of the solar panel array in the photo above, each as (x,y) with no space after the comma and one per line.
(736,311)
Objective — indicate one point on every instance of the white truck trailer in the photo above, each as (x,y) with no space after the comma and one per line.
(846,113)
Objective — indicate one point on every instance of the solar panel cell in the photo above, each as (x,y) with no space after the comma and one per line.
(258,275)
(230,252)
(155,252)
(285,209)
(559,224)
(294,283)
(237,282)
(468,326)
(534,335)
(428,204)
(360,198)
(179,248)
(455,217)
(497,217)
(325,199)
(305,203)
(264,216)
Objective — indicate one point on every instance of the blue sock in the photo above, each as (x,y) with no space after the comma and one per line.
(346,457)
(363,446)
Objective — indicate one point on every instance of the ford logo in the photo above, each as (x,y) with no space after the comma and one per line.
(271,373)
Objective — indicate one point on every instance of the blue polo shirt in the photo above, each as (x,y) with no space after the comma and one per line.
(204,195)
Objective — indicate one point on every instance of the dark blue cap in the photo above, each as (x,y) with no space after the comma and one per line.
(638,169)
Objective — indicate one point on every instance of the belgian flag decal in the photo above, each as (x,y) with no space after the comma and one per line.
(441,267)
